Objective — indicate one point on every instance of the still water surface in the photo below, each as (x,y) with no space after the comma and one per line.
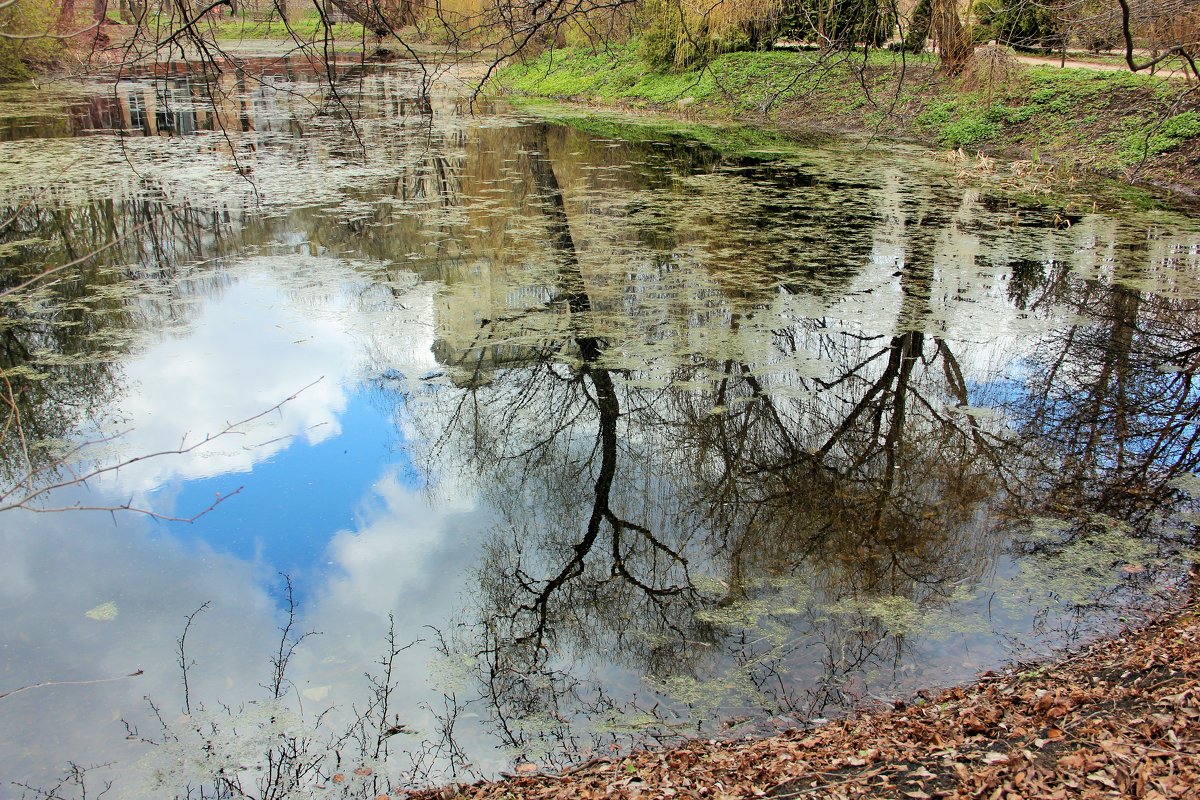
(566,437)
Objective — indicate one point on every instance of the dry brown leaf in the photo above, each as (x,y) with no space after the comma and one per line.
(1135,698)
(1103,778)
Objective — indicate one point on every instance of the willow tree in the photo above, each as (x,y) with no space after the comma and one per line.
(952,38)
(381,17)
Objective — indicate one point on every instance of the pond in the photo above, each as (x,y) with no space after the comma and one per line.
(401,440)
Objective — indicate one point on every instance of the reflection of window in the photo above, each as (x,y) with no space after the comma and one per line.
(174,113)
(162,112)
(185,122)
(522,297)
(138,118)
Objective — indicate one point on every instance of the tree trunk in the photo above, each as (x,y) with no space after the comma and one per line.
(66,17)
(380,17)
(953,39)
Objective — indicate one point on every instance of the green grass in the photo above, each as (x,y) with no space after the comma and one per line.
(732,83)
(1100,119)
(611,75)
(1152,137)
(243,27)
(306,26)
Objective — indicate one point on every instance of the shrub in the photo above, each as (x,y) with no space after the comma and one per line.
(845,23)
(967,132)
(1173,132)
(25,18)
(1018,23)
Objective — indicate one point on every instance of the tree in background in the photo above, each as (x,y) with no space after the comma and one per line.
(950,35)
(1020,23)
(1170,29)
(674,34)
(381,17)
(28,36)
(914,29)
(841,24)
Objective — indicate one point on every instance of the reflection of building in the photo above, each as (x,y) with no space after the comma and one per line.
(185,104)
(178,98)
(466,312)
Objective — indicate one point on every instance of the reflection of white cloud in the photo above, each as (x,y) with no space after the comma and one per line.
(262,341)
(404,551)
(246,352)
(410,557)
(151,584)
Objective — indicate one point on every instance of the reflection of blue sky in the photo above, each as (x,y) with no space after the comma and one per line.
(293,503)
(1001,390)
(329,497)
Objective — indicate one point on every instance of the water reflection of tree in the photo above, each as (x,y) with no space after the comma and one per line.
(871,479)
(864,483)
(1109,408)
(61,338)
(1113,398)
(590,555)
(801,523)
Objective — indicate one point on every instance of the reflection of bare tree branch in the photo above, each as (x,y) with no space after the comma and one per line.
(881,477)
(34,486)
(1117,427)
(12,692)
(608,407)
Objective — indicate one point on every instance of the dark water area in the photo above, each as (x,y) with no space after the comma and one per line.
(411,439)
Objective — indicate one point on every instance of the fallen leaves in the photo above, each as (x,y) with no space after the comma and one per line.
(1117,720)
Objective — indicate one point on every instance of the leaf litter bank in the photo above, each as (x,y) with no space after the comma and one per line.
(1120,718)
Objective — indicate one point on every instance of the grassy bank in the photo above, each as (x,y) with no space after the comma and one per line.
(1134,126)
(308,26)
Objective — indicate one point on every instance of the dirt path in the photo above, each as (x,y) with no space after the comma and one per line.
(1119,719)
(1054,61)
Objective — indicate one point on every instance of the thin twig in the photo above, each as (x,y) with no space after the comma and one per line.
(43,684)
